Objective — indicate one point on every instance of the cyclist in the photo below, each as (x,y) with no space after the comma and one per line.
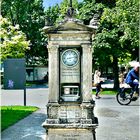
(133,75)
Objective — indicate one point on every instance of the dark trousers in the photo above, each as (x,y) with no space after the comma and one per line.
(134,86)
(98,88)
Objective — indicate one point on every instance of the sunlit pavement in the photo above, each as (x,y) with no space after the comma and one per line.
(105,86)
(116,122)
(34,97)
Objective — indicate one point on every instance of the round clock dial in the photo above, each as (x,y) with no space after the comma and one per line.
(70,57)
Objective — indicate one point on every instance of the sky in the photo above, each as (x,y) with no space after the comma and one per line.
(47,3)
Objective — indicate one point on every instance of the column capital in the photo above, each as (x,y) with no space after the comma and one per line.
(86,45)
(52,48)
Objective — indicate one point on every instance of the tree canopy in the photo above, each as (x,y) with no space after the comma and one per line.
(116,40)
(123,20)
(13,41)
(31,20)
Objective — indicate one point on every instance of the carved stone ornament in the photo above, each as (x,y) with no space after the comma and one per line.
(94,21)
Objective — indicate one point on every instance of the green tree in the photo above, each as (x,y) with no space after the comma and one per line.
(29,14)
(88,8)
(13,41)
(116,40)
(118,34)
(52,14)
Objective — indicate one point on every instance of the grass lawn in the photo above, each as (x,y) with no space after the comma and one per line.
(106,92)
(12,114)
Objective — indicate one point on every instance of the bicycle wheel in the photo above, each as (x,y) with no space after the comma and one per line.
(125,100)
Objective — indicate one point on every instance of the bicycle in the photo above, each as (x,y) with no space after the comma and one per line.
(125,96)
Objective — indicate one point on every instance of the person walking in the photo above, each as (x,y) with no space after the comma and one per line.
(97,83)
(121,79)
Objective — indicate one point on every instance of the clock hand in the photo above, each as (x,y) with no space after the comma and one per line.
(70,57)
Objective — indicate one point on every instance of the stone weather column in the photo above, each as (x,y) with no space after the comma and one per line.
(70,110)
(87,72)
(53,73)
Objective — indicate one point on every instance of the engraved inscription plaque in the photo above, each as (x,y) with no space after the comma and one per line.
(71,134)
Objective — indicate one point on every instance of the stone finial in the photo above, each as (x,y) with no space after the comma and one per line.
(69,17)
(94,21)
(70,12)
(48,21)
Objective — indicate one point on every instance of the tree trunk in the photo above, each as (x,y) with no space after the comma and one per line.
(115,72)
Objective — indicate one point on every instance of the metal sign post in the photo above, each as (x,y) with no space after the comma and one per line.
(25,96)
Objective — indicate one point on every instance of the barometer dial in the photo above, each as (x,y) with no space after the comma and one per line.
(70,57)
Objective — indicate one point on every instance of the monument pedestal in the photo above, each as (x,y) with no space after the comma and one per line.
(71,132)
(70,121)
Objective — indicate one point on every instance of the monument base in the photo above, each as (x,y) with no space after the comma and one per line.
(70,131)
(70,121)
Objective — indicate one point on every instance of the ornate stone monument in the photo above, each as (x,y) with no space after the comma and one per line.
(70,110)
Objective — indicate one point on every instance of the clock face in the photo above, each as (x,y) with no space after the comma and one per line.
(70,57)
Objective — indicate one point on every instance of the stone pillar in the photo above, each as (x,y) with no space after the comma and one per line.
(87,72)
(53,73)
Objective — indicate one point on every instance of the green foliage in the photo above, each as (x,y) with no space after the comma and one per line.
(51,14)
(13,41)
(29,14)
(126,19)
(101,46)
(88,8)
(123,22)
(63,8)
(12,114)
(117,36)
(118,33)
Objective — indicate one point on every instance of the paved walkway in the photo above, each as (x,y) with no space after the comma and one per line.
(27,129)
(116,122)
